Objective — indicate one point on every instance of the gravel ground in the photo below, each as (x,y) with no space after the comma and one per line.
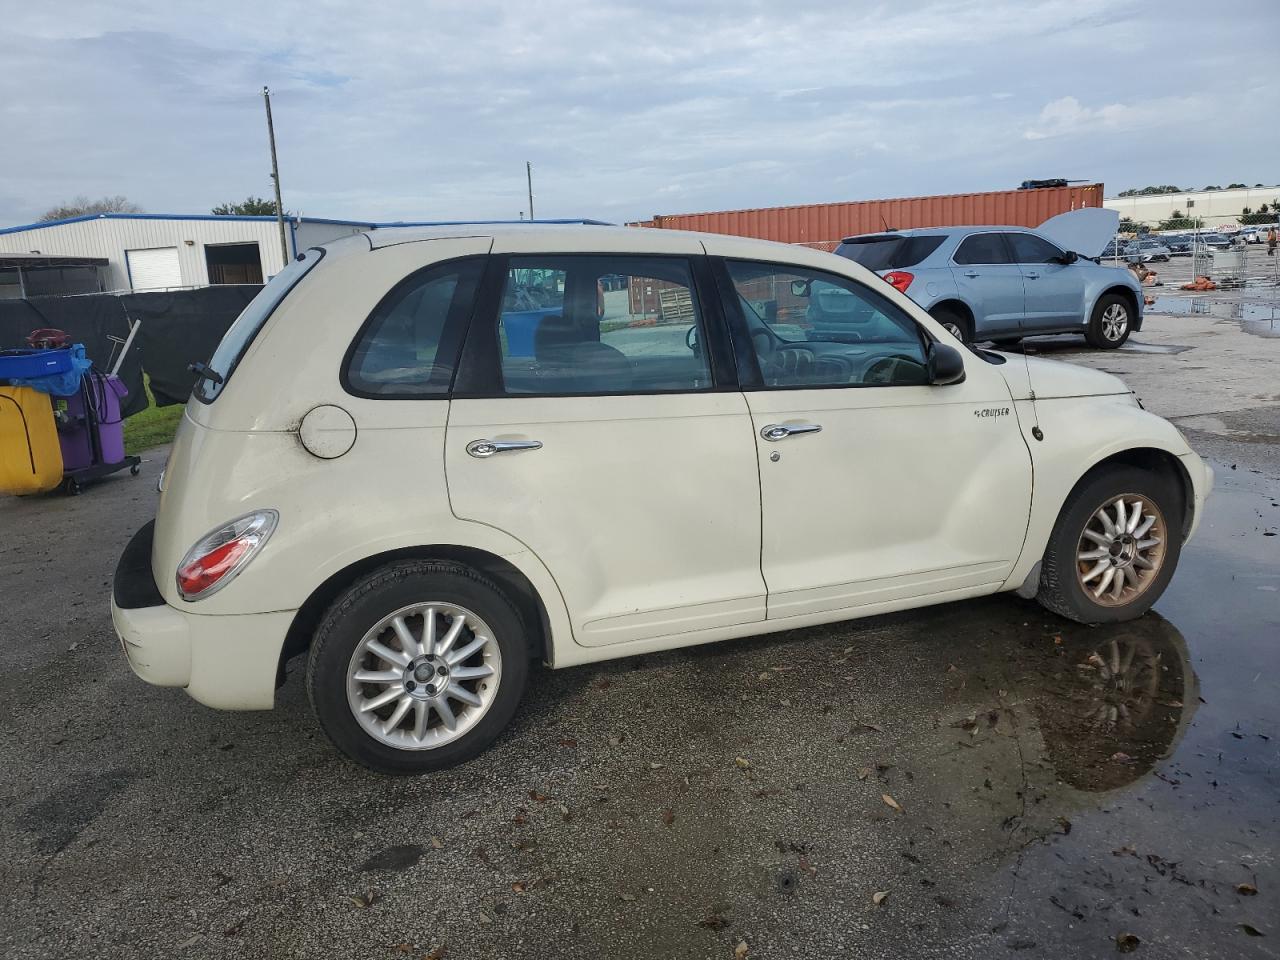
(765,792)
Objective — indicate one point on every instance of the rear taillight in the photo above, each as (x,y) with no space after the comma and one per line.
(218,556)
(899,280)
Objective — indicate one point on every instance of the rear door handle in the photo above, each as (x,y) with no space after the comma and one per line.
(1032,275)
(971,274)
(780,431)
(482,449)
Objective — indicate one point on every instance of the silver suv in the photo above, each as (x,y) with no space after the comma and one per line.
(1005,283)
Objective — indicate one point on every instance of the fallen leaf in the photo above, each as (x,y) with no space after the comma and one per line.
(742,762)
(1251,930)
(436,953)
(627,897)
(519,887)
(668,816)
(1246,889)
(1065,824)
(1127,942)
(890,802)
(655,766)
(878,897)
(437,843)
(713,922)
(568,742)
(765,676)
(864,772)
(871,726)
(1125,851)
(403,948)
(807,867)
(741,950)
(519,819)
(615,741)
(537,797)
(1120,757)
(364,900)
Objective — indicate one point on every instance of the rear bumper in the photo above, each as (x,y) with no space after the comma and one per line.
(224,661)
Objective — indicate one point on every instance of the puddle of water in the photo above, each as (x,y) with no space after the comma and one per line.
(1259,319)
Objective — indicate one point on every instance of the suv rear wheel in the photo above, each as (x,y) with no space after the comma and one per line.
(417,666)
(1114,547)
(957,324)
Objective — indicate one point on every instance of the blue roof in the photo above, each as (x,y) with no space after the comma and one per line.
(366,224)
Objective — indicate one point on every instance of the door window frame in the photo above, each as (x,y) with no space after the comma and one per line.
(750,376)
(1004,242)
(1013,250)
(478,374)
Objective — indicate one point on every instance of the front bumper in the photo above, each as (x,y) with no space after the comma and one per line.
(224,661)
(1201,475)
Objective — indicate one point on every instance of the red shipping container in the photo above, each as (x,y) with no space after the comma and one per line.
(824,225)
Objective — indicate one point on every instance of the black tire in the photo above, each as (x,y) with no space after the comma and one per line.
(1060,587)
(1098,333)
(955,321)
(375,596)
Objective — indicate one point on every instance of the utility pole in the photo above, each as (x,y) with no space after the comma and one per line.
(528,172)
(275,176)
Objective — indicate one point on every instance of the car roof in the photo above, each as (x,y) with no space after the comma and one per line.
(943,231)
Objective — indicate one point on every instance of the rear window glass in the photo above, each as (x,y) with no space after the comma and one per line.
(409,346)
(246,326)
(889,252)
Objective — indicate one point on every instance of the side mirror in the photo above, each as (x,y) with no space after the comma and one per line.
(945,365)
(800,288)
(691,338)
(1070,257)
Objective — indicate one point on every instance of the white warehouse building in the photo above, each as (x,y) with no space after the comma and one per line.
(146,251)
(1214,208)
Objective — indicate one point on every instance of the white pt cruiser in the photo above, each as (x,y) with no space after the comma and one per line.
(430,456)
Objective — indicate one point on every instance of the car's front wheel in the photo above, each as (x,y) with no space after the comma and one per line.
(417,666)
(1114,547)
(1110,323)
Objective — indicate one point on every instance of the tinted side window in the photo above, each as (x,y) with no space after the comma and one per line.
(601,324)
(814,329)
(982,248)
(408,347)
(889,252)
(1028,248)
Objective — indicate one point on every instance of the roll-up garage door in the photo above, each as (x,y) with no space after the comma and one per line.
(154,268)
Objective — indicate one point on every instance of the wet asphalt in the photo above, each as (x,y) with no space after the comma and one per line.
(1015,785)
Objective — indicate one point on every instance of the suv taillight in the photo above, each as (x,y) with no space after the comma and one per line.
(220,554)
(899,280)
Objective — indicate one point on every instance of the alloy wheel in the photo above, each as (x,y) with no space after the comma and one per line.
(1121,550)
(423,676)
(1115,321)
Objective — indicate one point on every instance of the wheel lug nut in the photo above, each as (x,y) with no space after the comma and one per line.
(431,691)
(410,685)
(442,669)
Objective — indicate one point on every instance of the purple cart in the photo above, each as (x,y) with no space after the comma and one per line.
(91,431)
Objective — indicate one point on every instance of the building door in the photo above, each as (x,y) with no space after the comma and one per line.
(154,269)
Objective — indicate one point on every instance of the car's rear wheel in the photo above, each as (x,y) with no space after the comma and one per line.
(417,666)
(956,323)
(1110,323)
(1114,547)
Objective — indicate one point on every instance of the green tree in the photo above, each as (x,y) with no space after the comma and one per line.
(1150,191)
(1237,186)
(1179,222)
(1129,226)
(249,207)
(82,205)
(1265,214)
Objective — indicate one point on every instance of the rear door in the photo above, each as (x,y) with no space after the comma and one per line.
(989,281)
(597,419)
(1053,292)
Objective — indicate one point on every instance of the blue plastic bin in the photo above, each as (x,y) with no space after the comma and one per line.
(29,364)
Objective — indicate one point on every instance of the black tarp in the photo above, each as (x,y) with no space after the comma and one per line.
(180,328)
(177,328)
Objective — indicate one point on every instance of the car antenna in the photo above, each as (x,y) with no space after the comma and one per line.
(1031,387)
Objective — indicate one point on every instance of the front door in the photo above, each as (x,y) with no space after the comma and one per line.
(1053,290)
(875,487)
(611,445)
(990,282)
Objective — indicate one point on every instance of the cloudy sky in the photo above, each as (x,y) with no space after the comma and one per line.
(428,110)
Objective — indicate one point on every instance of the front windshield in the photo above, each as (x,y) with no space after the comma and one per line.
(246,326)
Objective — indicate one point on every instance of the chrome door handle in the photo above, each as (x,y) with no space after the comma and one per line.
(971,274)
(487,448)
(780,431)
(1032,276)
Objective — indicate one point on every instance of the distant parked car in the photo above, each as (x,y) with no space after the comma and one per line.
(1146,251)
(1218,241)
(1179,245)
(1004,283)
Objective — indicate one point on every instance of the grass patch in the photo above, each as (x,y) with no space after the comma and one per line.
(152,426)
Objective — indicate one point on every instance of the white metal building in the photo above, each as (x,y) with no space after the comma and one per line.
(147,251)
(1216,208)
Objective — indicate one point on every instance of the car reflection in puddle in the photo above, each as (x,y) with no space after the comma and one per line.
(1114,704)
